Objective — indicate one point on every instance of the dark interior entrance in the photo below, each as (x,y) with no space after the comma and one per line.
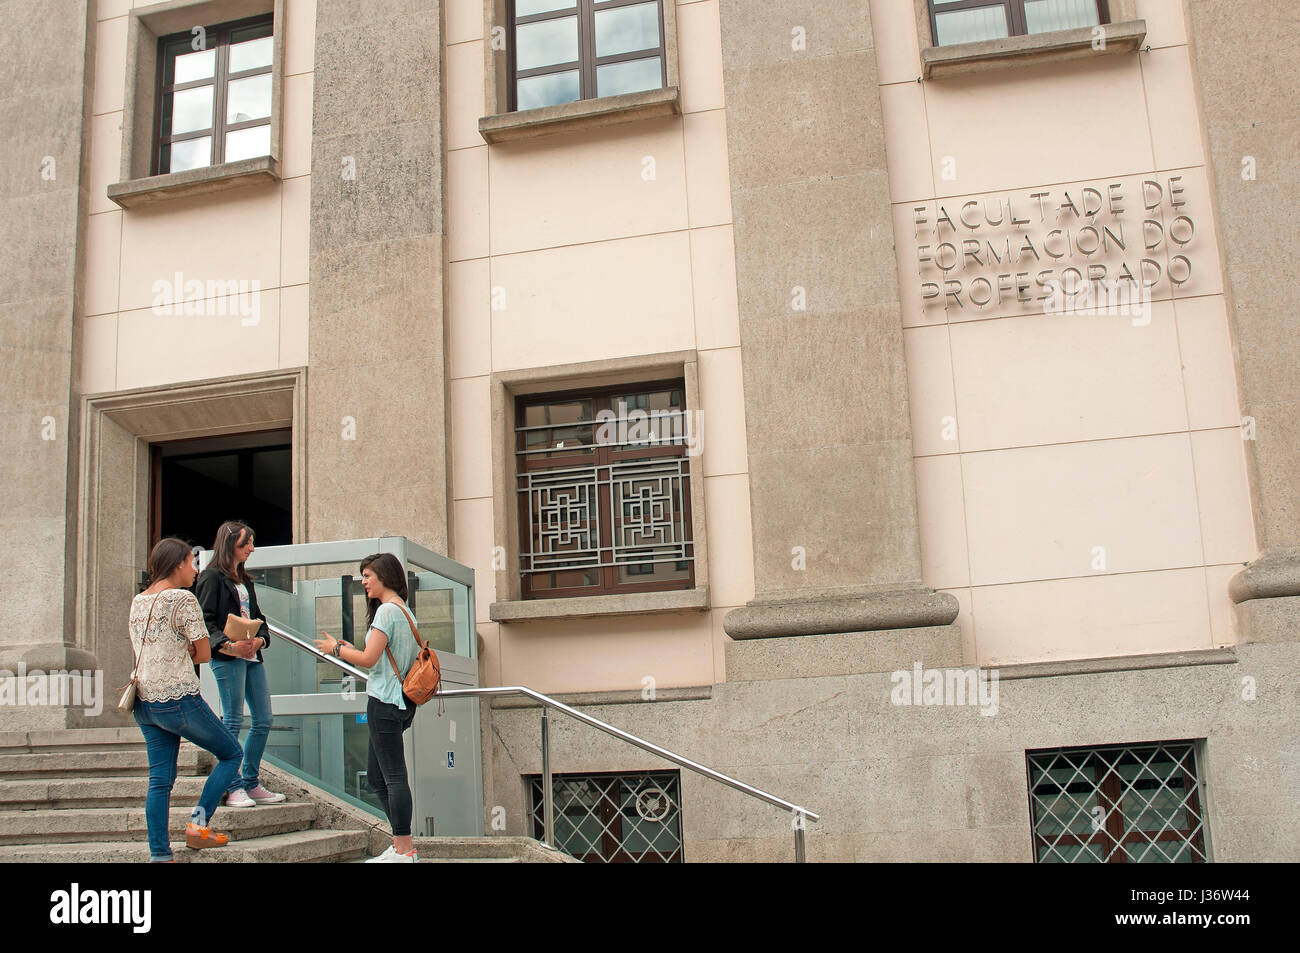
(196,485)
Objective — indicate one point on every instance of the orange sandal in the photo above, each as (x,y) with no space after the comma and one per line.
(201,837)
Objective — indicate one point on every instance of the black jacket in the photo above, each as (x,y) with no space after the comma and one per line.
(217,595)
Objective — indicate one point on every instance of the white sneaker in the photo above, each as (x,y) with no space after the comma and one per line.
(239,798)
(391,856)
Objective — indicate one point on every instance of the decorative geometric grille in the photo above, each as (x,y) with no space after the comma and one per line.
(619,818)
(1117,804)
(645,514)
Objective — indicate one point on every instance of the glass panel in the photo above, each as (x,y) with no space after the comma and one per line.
(330,749)
(190,154)
(524,8)
(567,434)
(248,98)
(646,419)
(630,77)
(435,612)
(627,29)
(250,54)
(970,26)
(1044,15)
(1064,797)
(1072,854)
(191,110)
(546,43)
(549,90)
(248,143)
(192,66)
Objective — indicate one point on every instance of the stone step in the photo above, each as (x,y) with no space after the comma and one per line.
(520,849)
(64,793)
(118,824)
(69,738)
(308,846)
(116,761)
(442,860)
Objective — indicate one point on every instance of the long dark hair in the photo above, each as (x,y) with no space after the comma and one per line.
(165,557)
(230,535)
(389,570)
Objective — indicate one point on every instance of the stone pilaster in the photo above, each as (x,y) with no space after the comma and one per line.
(832,479)
(376,379)
(47,59)
(1248,91)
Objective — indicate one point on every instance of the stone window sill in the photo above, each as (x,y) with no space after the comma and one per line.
(175,185)
(583,114)
(594,607)
(960,59)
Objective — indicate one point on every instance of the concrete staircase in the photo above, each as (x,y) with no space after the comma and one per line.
(77,796)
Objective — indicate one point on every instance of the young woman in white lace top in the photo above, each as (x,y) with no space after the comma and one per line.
(168,637)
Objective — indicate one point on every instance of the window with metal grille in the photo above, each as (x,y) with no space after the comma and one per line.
(614,818)
(566,50)
(969,21)
(604,491)
(214,95)
(1136,803)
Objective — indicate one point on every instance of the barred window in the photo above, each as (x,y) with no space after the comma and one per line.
(604,491)
(566,50)
(969,21)
(614,818)
(1118,804)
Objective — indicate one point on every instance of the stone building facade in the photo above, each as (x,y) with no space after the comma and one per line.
(843,245)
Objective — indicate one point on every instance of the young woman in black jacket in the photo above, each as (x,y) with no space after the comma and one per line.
(225,588)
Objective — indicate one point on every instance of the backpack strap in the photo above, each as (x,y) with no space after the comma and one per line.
(419,641)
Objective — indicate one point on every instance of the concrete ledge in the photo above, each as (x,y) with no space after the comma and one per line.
(583,114)
(864,610)
(1118,663)
(489,848)
(262,170)
(630,697)
(1273,575)
(843,653)
(594,607)
(960,59)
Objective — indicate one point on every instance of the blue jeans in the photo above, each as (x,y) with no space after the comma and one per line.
(239,680)
(163,725)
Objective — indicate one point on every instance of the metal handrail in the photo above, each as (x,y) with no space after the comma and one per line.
(800,814)
(308,647)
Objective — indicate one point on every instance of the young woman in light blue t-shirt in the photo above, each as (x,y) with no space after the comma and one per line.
(388,712)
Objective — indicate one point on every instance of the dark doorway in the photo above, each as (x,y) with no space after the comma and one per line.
(197,485)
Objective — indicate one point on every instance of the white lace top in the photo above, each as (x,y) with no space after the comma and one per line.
(166,671)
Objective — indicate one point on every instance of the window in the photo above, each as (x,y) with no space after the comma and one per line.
(1118,804)
(214,95)
(566,50)
(969,21)
(614,818)
(604,491)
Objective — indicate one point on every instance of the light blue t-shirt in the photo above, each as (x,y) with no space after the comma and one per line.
(383,683)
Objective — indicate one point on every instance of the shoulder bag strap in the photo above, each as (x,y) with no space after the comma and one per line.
(144,635)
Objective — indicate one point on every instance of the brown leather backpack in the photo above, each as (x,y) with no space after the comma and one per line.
(424,680)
